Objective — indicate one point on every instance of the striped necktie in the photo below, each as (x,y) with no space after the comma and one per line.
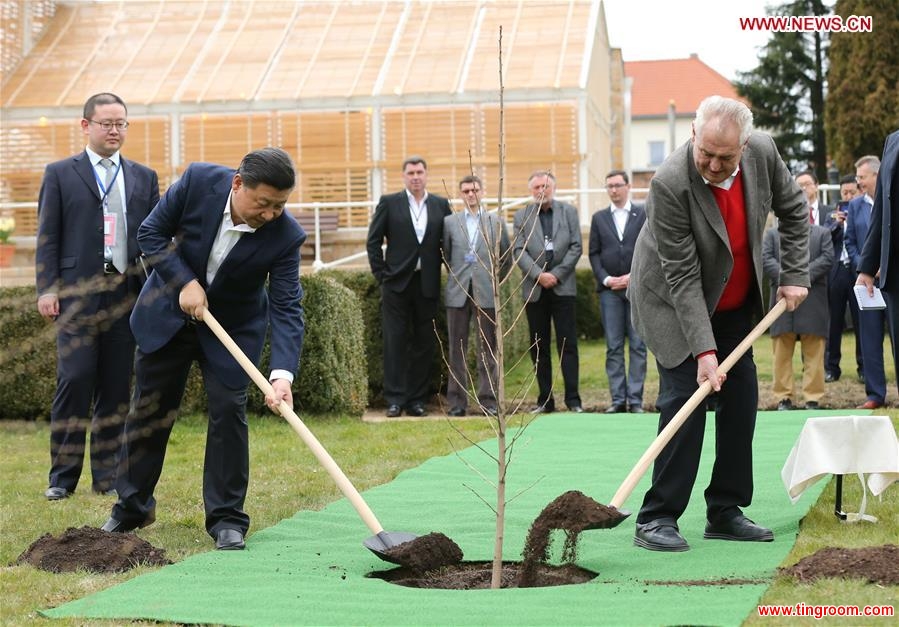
(117,254)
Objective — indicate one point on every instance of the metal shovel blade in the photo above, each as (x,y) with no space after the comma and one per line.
(381,543)
(612,521)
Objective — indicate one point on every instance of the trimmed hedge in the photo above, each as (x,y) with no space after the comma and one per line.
(342,365)
(27,356)
(331,377)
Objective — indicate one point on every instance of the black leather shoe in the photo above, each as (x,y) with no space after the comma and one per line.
(575,409)
(114,525)
(490,411)
(830,377)
(616,409)
(785,405)
(635,409)
(416,409)
(229,540)
(393,411)
(738,528)
(813,405)
(54,493)
(660,535)
(456,412)
(543,409)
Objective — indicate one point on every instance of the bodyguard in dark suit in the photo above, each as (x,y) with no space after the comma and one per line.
(876,262)
(695,289)
(411,221)
(221,240)
(547,246)
(613,233)
(89,210)
(870,322)
(470,239)
(839,287)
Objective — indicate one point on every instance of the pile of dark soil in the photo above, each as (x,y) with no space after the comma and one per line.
(427,552)
(571,512)
(875,564)
(89,548)
(477,575)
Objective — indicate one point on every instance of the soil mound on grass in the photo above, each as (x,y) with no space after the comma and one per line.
(477,576)
(426,552)
(89,548)
(572,512)
(875,564)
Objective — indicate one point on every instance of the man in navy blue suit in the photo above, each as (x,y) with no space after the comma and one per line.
(870,322)
(221,240)
(876,261)
(90,207)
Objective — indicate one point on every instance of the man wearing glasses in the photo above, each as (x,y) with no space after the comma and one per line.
(88,277)
(613,234)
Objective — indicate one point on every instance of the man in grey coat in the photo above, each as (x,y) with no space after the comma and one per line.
(809,323)
(547,248)
(470,252)
(694,290)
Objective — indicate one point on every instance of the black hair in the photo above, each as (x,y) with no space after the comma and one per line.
(271,166)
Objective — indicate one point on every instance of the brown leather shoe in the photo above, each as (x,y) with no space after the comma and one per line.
(869,404)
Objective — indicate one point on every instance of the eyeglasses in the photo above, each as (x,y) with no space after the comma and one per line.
(616,185)
(107,126)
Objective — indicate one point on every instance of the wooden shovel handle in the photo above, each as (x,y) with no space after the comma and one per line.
(631,481)
(325,459)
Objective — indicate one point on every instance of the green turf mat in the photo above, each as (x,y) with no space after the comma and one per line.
(311,569)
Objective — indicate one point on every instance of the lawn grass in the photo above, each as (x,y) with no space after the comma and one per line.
(285,478)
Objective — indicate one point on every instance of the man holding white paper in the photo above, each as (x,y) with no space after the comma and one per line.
(870,332)
(875,257)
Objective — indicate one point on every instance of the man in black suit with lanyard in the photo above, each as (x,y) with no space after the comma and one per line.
(409,274)
(88,277)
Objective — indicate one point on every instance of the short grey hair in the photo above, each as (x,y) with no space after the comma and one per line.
(872,161)
(719,107)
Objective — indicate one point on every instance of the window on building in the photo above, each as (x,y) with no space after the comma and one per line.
(656,153)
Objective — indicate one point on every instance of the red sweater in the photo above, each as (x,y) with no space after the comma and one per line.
(733,210)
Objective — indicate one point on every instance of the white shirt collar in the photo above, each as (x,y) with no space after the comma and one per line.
(228,221)
(726,183)
(415,203)
(95,158)
(626,207)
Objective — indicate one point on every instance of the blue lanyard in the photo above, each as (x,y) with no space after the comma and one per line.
(103,189)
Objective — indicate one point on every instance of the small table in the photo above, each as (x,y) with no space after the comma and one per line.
(842,445)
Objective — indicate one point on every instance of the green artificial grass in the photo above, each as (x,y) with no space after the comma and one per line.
(312,569)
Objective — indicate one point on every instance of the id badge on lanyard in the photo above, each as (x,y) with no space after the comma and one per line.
(109,219)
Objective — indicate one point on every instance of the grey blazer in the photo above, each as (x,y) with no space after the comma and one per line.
(529,254)
(682,260)
(473,278)
(812,317)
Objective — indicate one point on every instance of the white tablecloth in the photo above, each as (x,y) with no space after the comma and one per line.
(843,445)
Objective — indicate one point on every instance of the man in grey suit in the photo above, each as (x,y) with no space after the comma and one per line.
(613,233)
(470,251)
(547,248)
(695,287)
(809,323)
